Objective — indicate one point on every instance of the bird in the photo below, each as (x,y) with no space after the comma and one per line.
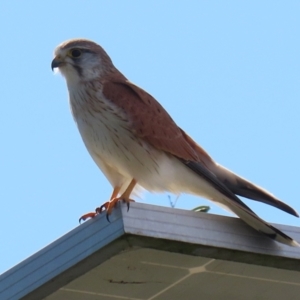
(137,144)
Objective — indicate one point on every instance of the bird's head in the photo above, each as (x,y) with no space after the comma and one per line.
(81,60)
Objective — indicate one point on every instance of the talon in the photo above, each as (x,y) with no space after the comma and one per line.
(103,207)
(128,205)
(87,216)
(109,206)
(127,201)
(107,218)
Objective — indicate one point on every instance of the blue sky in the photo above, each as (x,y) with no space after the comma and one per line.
(227,71)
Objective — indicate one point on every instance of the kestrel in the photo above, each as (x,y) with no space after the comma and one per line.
(136,143)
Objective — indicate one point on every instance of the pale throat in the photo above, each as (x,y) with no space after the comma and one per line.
(89,105)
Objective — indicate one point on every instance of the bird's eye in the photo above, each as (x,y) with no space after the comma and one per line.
(75,53)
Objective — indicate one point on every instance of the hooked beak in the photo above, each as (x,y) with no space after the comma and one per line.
(56,62)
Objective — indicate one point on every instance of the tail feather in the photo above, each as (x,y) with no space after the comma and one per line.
(260,225)
(222,194)
(244,188)
(236,184)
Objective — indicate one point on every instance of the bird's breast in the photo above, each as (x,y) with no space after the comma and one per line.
(109,136)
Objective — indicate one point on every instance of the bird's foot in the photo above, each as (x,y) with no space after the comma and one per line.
(108,207)
(88,216)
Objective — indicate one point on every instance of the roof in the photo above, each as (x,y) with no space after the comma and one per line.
(153,252)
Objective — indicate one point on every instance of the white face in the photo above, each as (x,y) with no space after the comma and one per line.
(77,64)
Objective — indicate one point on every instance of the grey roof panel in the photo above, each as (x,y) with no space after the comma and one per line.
(144,226)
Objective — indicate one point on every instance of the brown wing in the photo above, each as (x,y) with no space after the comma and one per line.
(151,122)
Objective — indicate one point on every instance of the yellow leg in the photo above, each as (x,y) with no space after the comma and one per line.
(108,206)
(125,196)
(115,193)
